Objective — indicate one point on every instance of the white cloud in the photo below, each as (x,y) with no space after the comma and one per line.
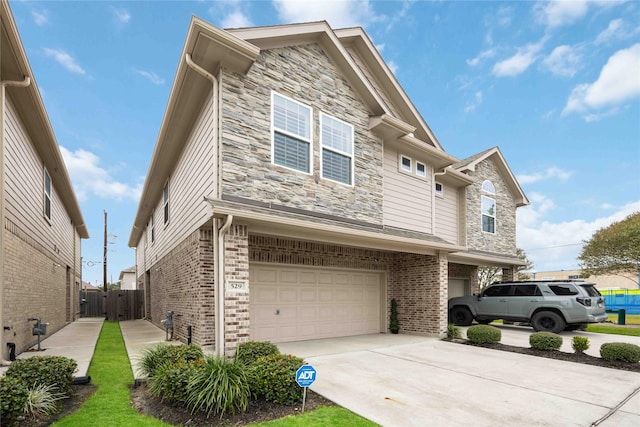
(485,54)
(618,82)
(64,59)
(151,76)
(471,106)
(236,19)
(393,66)
(339,13)
(89,178)
(122,15)
(556,246)
(557,13)
(518,63)
(563,61)
(549,173)
(611,31)
(40,17)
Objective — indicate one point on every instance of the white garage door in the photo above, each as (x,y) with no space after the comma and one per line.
(457,288)
(294,304)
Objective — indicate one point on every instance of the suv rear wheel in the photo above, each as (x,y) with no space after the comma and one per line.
(548,321)
(460,316)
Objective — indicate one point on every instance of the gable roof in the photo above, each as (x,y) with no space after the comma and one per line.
(27,100)
(469,165)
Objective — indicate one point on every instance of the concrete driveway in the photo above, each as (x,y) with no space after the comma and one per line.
(399,380)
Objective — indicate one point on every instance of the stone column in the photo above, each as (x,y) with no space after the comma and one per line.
(236,290)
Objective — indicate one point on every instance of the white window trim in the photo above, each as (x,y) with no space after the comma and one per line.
(495,216)
(309,140)
(153,225)
(47,196)
(166,207)
(438,193)
(401,168)
(487,191)
(422,175)
(351,156)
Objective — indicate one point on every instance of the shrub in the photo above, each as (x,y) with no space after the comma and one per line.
(250,351)
(453,331)
(41,400)
(153,357)
(580,344)
(484,334)
(56,371)
(220,386)
(273,378)
(545,341)
(621,351)
(171,380)
(13,401)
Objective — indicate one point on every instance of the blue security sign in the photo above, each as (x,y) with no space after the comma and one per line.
(306,375)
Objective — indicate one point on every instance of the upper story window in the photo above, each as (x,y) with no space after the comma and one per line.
(421,170)
(439,189)
(488,187)
(47,195)
(336,138)
(291,123)
(165,202)
(488,214)
(406,164)
(153,227)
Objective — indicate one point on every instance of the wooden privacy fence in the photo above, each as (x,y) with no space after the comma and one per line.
(117,305)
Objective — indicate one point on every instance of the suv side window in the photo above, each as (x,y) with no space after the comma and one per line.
(527,291)
(496,291)
(591,290)
(564,289)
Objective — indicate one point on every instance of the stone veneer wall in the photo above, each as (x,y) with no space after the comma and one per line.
(183,281)
(303,73)
(419,283)
(35,285)
(504,239)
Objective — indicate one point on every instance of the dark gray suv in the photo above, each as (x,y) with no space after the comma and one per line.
(549,305)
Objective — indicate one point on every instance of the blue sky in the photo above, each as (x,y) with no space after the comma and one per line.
(556,85)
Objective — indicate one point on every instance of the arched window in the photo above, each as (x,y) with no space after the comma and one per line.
(488,187)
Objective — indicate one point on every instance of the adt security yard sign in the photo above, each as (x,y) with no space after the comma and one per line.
(305,376)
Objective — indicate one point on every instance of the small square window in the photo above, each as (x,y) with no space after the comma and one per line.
(439,189)
(421,170)
(405,164)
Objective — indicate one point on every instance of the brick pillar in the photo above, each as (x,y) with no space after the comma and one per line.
(441,281)
(508,274)
(236,272)
(474,283)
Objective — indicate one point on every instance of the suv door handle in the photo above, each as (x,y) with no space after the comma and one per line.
(534,300)
(503,300)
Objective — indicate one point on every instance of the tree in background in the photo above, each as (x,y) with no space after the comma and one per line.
(613,249)
(487,274)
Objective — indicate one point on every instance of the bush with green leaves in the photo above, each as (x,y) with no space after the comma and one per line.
(484,334)
(220,386)
(545,341)
(250,351)
(273,378)
(620,351)
(43,400)
(162,354)
(580,344)
(171,380)
(56,371)
(13,400)
(453,331)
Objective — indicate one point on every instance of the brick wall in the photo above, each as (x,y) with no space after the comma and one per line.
(35,285)
(236,310)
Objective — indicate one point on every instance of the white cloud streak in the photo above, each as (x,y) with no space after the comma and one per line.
(520,61)
(339,13)
(151,76)
(64,59)
(40,17)
(563,61)
(122,15)
(486,54)
(89,177)
(558,13)
(617,83)
(549,173)
(236,19)
(471,106)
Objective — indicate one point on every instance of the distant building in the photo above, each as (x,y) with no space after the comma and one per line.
(604,281)
(127,279)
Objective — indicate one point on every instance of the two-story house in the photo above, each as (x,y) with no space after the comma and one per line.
(295,190)
(42,225)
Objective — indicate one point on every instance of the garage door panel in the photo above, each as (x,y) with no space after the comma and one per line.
(319,303)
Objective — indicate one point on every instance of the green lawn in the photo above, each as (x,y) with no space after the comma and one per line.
(631,319)
(110,405)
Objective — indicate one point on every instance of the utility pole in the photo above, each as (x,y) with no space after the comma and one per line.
(104,261)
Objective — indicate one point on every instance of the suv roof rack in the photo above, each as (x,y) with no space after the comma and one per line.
(539,281)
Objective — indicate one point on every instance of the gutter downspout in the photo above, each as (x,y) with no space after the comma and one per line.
(24,83)
(218,233)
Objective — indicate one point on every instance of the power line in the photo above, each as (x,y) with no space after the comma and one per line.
(551,247)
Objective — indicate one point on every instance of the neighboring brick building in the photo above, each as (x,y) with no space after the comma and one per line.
(42,226)
(295,190)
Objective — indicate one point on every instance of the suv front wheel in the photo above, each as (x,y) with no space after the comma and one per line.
(548,321)
(460,316)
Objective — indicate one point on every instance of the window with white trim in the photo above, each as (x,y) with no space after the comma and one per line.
(153,227)
(47,195)
(165,202)
(405,164)
(421,170)
(291,123)
(488,215)
(439,189)
(488,187)
(336,140)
